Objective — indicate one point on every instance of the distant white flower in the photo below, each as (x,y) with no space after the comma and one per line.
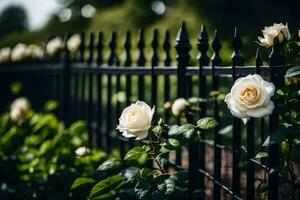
(73,43)
(82,151)
(135,120)
(250,97)
(179,106)
(54,46)
(19,52)
(279,31)
(34,51)
(18,109)
(4,54)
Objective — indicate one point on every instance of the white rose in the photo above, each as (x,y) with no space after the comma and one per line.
(4,54)
(82,151)
(135,120)
(18,109)
(34,51)
(250,97)
(54,45)
(74,43)
(19,52)
(279,31)
(179,106)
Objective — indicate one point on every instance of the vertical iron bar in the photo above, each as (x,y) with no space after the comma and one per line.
(203,60)
(237,60)
(154,63)
(141,62)
(216,61)
(276,58)
(66,84)
(99,108)
(167,62)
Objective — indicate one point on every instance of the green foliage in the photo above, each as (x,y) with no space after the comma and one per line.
(207,123)
(37,156)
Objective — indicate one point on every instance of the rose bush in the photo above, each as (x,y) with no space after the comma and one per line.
(143,173)
(38,157)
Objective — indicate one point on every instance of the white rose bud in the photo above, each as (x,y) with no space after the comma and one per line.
(82,151)
(54,45)
(4,54)
(73,43)
(179,106)
(250,97)
(135,120)
(279,31)
(19,52)
(18,109)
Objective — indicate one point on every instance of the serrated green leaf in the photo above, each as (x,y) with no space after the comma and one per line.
(207,123)
(294,71)
(110,164)
(79,182)
(184,128)
(142,188)
(106,186)
(145,172)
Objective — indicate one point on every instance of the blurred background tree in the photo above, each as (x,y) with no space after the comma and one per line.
(122,15)
(13,19)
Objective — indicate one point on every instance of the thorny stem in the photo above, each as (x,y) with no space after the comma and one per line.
(154,150)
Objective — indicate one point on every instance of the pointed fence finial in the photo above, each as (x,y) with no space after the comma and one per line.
(141,46)
(99,47)
(127,46)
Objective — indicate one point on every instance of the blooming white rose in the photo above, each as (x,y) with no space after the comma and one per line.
(19,52)
(179,106)
(135,120)
(54,45)
(250,97)
(74,43)
(18,109)
(4,54)
(82,151)
(279,31)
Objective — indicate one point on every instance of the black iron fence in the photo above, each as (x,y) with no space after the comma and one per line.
(92,88)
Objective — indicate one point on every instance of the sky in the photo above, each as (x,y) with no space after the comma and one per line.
(38,11)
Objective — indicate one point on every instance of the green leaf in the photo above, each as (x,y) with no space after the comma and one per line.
(50,105)
(138,154)
(280,92)
(168,186)
(110,164)
(261,155)
(172,144)
(207,123)
(81,182)
(185,127)
(226,130)
(173,130)
(106,186)
(294,71)
(131,173)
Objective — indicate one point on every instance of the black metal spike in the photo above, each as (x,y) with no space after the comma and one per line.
(82,47)
(91,48)
(216,45)
(167,48)
(237,44)
(182,44)
(100,47)
(112,45)
(154,45)
(203,46)
(127,46)
(141,45)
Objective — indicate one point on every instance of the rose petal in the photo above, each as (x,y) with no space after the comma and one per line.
(141,135)
(233,108)
(261,111)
